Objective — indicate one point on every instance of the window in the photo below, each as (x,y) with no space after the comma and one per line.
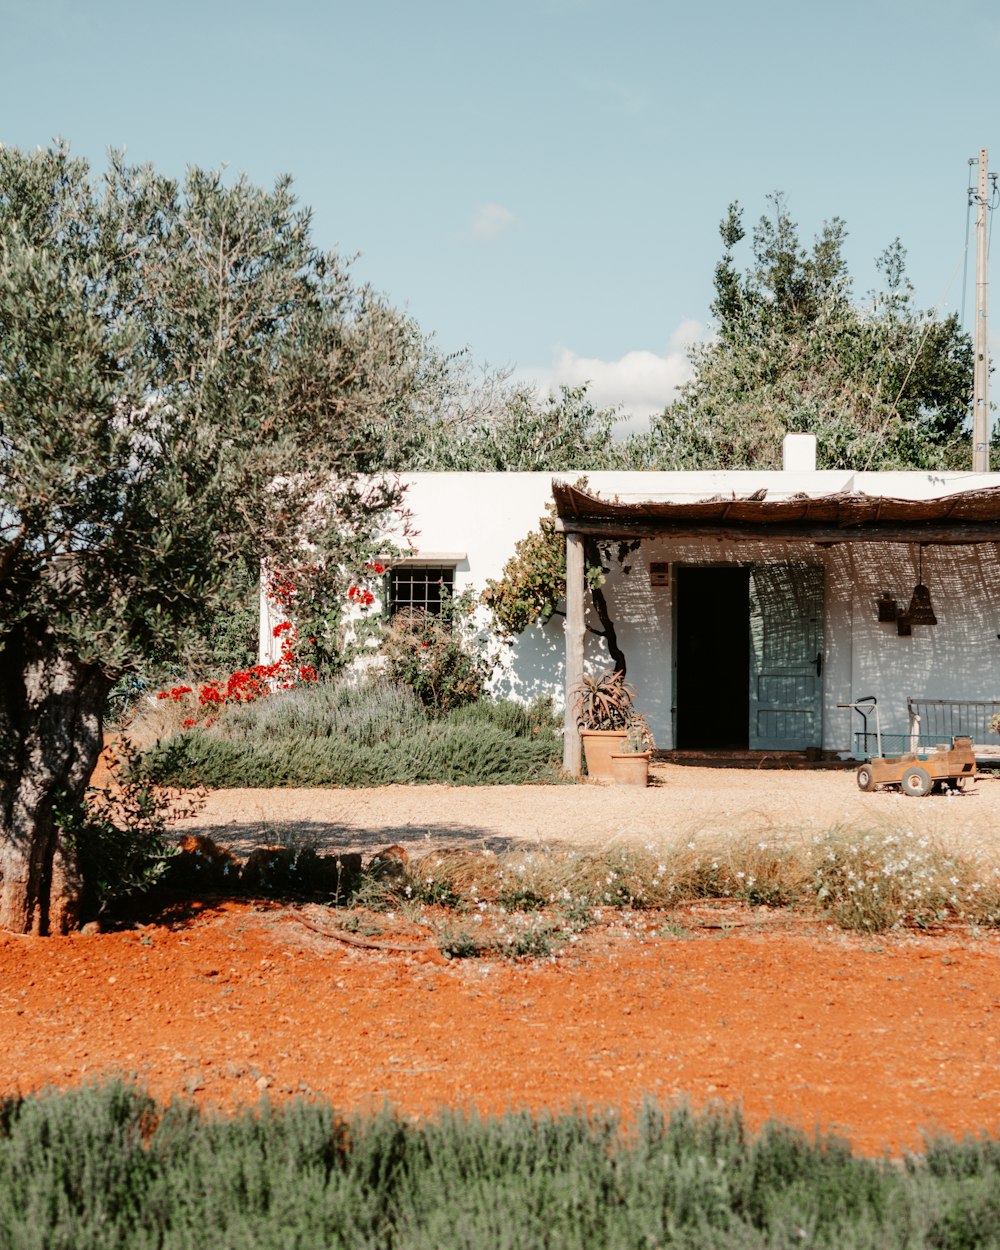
(419,587)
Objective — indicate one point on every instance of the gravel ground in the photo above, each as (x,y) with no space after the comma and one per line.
(683,802)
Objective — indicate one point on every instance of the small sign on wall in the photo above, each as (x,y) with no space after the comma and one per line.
(659,573)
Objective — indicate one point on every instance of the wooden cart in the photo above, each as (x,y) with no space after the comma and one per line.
(943,767)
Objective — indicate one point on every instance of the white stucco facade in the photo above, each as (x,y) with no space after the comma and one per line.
(476,518)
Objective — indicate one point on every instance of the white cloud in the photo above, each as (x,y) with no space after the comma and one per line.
(640,382)
(490,221)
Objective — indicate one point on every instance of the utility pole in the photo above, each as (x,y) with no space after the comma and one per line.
(981,375)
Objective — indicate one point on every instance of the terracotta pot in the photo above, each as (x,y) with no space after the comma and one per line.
(598,745)
(630,768)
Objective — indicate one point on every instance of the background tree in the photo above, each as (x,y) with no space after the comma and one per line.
(180,371)
(497,426)
(881,386)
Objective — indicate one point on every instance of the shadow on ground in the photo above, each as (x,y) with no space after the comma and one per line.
(242,837)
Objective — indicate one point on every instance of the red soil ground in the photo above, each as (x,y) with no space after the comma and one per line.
(876,1038)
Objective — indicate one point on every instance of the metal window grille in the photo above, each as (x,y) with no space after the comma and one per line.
(419,588)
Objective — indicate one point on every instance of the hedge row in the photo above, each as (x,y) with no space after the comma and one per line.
(108,1169)
(473,755)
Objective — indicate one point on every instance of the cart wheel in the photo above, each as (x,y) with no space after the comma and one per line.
(865,778)
(916,781)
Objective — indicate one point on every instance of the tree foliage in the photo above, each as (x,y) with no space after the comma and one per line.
(496,426)
(178,369)
(883,386)
(532,586)
(181,372)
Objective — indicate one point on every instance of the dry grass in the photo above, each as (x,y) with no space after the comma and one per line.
(867,881)
(153,720)
(878,880)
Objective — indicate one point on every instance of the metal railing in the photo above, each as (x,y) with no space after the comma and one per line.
(921,745)
(933,723)
(939,720)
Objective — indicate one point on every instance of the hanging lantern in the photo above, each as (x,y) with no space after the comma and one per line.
(921,612)
(888,608)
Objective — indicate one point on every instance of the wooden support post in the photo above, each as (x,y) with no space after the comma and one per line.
(574,627)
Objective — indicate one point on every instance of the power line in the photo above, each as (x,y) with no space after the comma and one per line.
(984,196)
(968,218)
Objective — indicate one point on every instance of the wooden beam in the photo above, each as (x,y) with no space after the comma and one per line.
(956,533)
(574,628)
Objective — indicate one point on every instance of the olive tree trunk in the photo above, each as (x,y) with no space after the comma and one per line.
(51,705)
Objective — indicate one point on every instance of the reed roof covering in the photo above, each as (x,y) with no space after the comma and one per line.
(962,517)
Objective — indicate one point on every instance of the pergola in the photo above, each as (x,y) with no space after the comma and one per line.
(965,517)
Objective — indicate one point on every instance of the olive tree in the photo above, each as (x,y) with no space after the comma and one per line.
(881,384)
(183,378)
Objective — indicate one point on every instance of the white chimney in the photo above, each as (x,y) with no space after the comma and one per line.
(798,453)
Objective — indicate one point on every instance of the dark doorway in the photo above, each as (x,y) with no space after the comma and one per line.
(713,659)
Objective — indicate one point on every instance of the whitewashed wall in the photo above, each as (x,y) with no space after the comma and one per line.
(482,515)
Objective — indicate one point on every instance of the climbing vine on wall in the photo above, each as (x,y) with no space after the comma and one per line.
(532,587)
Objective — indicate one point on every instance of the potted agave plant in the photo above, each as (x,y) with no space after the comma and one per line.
(630,765)
(605,713)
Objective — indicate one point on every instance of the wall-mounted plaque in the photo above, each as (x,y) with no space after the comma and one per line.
(659,573)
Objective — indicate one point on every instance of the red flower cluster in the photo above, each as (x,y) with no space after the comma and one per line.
(248,685)
(281,589)
(361,596)
(175,692)
(243,686)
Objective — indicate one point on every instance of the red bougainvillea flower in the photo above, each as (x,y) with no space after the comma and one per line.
(258,681)
(375,567)
(281,589)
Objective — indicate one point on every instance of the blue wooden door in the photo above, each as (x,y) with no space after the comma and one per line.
(786,650)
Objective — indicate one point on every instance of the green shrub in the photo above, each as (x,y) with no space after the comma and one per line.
(365,713)
(121,833)
(437,655)
(458,942)
(524,720)
(104,1167)
(441,751)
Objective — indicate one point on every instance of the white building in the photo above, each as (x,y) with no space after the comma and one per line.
(751,608)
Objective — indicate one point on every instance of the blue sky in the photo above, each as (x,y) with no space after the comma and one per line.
(541,182)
